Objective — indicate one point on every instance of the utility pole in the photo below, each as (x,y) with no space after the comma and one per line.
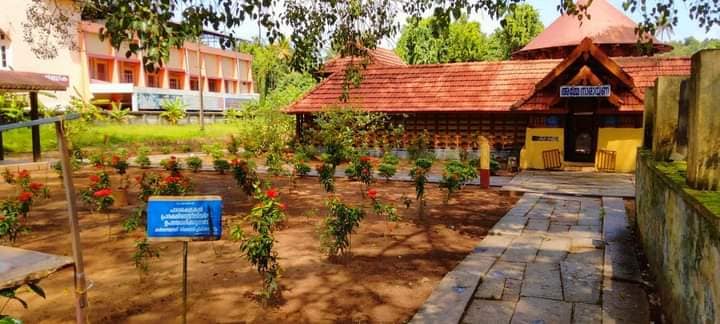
(201,84)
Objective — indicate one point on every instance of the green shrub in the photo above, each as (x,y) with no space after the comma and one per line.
(194,163)
(221,165)
(455,176)
(173,110)
(337,227)
(388,165)
(419,175)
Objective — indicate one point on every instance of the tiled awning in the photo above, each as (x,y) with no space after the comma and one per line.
(29,81)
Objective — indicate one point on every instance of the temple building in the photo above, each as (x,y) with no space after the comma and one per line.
(573,96)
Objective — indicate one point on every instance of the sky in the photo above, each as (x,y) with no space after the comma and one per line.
(548,13)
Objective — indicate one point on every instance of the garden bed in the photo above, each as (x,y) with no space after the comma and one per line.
(387,279)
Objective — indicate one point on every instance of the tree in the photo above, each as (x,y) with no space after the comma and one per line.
(351,27)
(690,46)
(463,41)
(519,27)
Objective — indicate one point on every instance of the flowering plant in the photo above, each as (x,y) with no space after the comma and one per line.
(455,176)
(337,227)
(10,225)
(419,175)
(171,164)
(259,248)
(327,176)
(194,163)
(244,174)
(98,194)
(383,210)
(8,176)
(119,163)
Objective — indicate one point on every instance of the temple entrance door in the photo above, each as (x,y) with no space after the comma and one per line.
(580,137)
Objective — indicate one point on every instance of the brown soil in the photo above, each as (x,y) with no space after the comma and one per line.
(386,280)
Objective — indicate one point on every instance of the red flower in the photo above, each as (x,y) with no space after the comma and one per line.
(138,179)
(23,174)
(372,193)
(282,206)
(365,159)
(102,193)
(94,178)
(35,186)
(25,196)
(272,193)
(172,179)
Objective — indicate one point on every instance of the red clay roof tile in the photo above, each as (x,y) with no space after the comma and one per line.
(465,87)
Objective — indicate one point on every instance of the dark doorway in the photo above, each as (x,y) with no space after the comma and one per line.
(580,137)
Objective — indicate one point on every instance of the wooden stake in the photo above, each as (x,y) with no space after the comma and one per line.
(80,284)
(184,284)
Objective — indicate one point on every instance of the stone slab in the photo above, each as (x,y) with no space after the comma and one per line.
(537,226)
(493,245)
(615,224)
(558,228)
(522,249)
(491,288)
(539,310)
(542,280)
(621,263)
(448,300)
(586,314)
(489,311)
(553,249)
(509,226)
(512,289)
(624,303)
(581,282)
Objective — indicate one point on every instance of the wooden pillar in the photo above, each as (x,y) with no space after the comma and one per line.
(667,103)
(703,160)
(34,114)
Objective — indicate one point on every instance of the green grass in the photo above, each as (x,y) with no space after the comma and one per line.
(128,136)
(677,172)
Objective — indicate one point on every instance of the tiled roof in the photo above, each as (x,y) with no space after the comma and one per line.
(605,25)
(28,81)
(378,56)
(464,87)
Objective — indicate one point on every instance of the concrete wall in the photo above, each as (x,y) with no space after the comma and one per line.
(624,141)
(531,154)
(682,243)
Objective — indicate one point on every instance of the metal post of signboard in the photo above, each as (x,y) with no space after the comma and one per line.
(184,280)
(80,284)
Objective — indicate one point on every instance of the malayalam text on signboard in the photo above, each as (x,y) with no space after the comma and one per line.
(184,218)
(585,91)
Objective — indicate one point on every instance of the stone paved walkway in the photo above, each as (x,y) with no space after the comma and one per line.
(551,259)
(574,183)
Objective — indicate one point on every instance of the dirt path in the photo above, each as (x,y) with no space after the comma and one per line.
(388,278)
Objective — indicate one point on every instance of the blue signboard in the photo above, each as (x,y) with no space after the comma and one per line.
(585,91)
(184,218)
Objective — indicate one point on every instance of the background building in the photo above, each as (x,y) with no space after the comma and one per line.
(574,95)
(95,69)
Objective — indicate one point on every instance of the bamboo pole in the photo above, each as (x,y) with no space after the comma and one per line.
(80,284)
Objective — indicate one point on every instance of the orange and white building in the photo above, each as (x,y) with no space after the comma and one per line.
(95,69)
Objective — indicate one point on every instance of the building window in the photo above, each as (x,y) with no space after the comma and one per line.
(128,76)
(152,81)
(100,72)
(3,57)
(229,86)
(174,83)
(4,51)
(213,86)
(194,84)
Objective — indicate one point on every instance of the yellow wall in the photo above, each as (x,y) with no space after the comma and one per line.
(531,154)
(625,142)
